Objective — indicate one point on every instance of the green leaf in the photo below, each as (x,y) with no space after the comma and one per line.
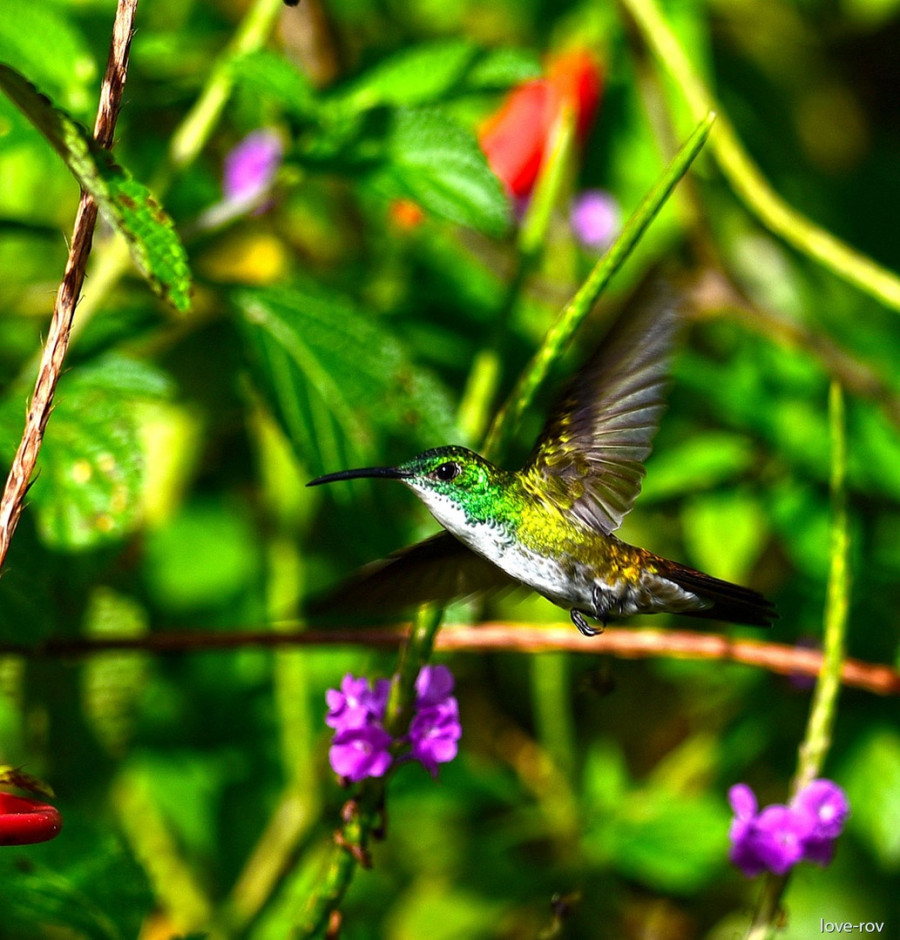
(269,75)
(125,203)
(84,883)
(334,377)
(421,75)
(496,69)
(438,163)
(34,897)
(90,470)
(68,72)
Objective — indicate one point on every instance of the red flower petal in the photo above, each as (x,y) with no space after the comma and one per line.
(578,78)
(23,821)
(515,137)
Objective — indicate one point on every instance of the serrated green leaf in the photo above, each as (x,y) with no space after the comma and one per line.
(85,883)
(421,75)
(439,164)
(90,470)
(334,377)
(125,203)
(33,897)
(122,376)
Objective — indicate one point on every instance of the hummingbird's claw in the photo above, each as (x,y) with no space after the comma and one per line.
(584,628)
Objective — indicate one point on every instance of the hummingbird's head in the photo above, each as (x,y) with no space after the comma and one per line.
(460,488)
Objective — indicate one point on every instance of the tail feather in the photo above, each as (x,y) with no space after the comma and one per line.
(730,602)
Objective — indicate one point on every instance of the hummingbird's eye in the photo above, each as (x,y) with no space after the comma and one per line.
(447,471)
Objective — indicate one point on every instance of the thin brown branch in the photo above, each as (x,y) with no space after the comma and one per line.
(51,363)
(500,637)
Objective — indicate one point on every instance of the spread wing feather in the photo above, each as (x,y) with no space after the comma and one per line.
(591,452)
(438,569)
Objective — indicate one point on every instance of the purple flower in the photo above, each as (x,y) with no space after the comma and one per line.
(594,219)
(433,734)
(780,836)
(356,705)
(827,805)
(250,166)
(771,841)
(433,686)
(357,753)
(362,747)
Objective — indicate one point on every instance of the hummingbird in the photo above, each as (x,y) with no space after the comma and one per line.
(550,525)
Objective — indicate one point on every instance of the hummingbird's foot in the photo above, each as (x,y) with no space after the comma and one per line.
(584,628)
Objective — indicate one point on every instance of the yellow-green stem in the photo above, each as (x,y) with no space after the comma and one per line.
(746,177)
(817,739)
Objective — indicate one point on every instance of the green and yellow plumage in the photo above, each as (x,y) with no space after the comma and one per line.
(550,525)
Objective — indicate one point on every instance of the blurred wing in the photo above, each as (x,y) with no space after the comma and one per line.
(439,569)
(591,452)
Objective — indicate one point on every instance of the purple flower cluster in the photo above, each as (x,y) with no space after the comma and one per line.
(361,746)
(780,836)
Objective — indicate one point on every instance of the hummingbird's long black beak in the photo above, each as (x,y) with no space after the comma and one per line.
(391,473)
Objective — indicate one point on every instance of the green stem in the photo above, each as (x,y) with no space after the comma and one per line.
(824,705)
(415,654)
(574,313)
(746,177)
(817,739)
(356,831)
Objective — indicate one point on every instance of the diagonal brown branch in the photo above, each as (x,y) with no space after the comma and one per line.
(51,363)
(625,643)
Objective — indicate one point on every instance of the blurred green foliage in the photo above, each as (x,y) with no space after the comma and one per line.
(326,330)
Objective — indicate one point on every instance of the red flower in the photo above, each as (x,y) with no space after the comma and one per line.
(23,821)
(516,136)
